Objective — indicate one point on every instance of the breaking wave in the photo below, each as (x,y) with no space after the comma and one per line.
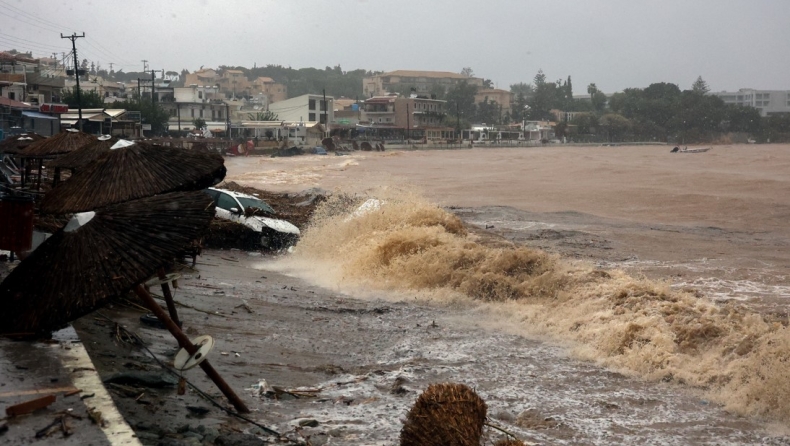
(403,242)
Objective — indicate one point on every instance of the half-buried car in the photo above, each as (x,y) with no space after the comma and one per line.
(255,214)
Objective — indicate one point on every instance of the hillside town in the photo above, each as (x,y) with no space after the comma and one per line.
(397,107)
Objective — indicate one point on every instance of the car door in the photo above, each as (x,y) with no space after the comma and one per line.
(225,202)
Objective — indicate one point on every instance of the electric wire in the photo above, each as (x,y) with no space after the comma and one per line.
(202,393)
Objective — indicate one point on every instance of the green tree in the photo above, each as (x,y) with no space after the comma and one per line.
(616,126)
(199,123)
(150,113)
(586,123)
(263,116)
(88,98)
(488,112)
(543,99)
(700,86)
(467,72)
(461,101)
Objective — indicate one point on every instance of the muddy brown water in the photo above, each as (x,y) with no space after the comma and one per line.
(712,223)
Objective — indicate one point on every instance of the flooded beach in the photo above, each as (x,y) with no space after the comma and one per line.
(693,245)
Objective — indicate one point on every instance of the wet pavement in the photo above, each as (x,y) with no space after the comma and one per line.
(60,367)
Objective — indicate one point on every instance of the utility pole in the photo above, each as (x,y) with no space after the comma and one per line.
(73,37)
(152,87)
(111,64)
(407,124)
(139,92)
(145,65)
(326,117)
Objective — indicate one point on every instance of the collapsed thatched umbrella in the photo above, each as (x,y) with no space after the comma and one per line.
(98,255)
(445,415)
(14,144)
(62,143)
(85,155)
(134,170)
(54,146)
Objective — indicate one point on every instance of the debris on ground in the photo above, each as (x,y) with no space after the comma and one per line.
(30,406)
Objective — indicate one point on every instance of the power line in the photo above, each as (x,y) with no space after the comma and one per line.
(28,42)
(24,13)
(26,22)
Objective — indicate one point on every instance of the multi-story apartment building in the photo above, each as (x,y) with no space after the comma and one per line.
(274,91)
(196,102)
(305,108)
(768,102)
(423,82)
(398,117)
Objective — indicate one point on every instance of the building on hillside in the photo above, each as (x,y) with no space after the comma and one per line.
(503,98)
(305,108)
(423,82)
(234,84)
(274,91)
(394,117)
(767,102)
(205,76)
(197,102)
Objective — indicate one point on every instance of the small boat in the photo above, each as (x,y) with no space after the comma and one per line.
(691,150)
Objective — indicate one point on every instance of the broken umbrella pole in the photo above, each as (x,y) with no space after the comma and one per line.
(186,344)
(171,304)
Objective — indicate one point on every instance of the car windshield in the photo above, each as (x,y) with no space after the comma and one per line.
(255,203)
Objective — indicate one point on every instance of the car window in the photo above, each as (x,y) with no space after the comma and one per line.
(226,202)
(255,203)
(213,194)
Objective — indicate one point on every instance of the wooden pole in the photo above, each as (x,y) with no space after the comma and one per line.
(186,344)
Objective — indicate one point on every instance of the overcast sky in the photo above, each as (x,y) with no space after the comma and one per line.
(615,43)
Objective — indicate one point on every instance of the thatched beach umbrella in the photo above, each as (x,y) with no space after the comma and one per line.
(85,155)
(54,146)
(98,255)
(62,143)
(14,144)
(134,170)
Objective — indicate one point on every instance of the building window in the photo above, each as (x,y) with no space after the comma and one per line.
(200,95)
(311,106)
(323,105)
(191,112)
(323,119)
(311,116)
(201,113)
(11,95)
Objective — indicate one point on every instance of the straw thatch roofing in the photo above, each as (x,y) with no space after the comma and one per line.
(74,273)
(131,172)
(84,155)
(63,142)
(14,144)
(445,414)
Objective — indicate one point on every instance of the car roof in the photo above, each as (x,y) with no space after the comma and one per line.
(236,194)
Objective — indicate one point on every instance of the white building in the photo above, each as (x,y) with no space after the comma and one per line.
(305,108)
(768,102)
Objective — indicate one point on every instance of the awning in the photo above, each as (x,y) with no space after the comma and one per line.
(35,115)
